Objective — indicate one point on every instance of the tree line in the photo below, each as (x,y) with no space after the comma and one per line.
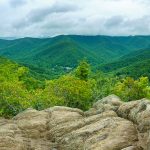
(80,88)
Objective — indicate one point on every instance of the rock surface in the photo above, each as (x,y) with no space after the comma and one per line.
(109,125)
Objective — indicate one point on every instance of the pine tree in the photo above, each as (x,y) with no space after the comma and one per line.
(83,70)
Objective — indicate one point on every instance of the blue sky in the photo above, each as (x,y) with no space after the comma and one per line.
(36,18)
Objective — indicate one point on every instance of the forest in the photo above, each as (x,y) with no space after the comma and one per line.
(72,70)
(22,88)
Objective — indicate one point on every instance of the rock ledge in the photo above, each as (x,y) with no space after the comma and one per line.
(109,125)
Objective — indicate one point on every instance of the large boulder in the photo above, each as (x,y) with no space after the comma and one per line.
(139,113)
(109,125)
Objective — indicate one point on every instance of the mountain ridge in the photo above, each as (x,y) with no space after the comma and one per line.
(67,50)
(129,64)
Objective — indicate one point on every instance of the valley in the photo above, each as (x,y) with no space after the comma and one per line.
(52,56)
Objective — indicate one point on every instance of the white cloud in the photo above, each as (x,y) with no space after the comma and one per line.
(53,17)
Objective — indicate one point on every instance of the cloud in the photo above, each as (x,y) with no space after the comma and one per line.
(15,3)
(53,17)
(114,21)
(139,25)
(40,14)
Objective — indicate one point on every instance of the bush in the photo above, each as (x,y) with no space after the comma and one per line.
(75,92)
(129,89)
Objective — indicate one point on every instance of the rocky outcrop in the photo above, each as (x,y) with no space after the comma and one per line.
(109,125)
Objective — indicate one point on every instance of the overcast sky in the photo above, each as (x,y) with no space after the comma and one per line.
(34,18)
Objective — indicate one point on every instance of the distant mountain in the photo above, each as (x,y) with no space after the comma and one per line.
(134,64)
(66,50)
(8,38)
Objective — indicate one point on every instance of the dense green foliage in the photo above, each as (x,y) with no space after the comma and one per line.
(12,92)
(135,64)
(129,89)
(53,56)
(80,88)
(83,70)
(19,90)
(46,73)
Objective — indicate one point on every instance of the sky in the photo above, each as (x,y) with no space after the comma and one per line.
(44,18)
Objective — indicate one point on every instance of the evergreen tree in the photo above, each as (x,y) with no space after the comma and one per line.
(83,70)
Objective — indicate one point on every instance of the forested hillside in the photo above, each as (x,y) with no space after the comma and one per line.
(60,54)
(72,71)
(21,88)
(134,64)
